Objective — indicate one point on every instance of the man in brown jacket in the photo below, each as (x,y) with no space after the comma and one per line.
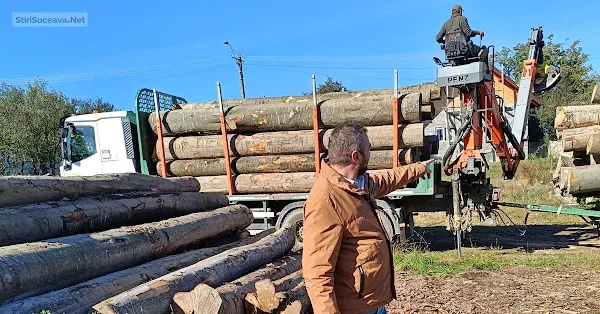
(347,258)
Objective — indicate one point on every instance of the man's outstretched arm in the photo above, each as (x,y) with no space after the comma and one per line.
(440,35)
(382,183)
(322,236)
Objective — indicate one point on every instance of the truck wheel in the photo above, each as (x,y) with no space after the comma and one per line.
(387,223)
(295,218)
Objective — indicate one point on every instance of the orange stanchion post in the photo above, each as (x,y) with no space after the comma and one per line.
(395,119)
(230,186)
(159,132)
(316,140)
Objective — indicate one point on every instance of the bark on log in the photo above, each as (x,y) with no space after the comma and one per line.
(298,301)
(571,117)
(80,298)
(229,298)
(580,180)
(296,99)
(34,268)
(28,223)
(428,112)
(258,183)
(593,145)
(156,295)
(577,139)
(276,163)
(268,294)
(21,190)
(596,95)
(282,143)
(367,110)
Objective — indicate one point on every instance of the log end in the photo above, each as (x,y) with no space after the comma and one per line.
(202,299)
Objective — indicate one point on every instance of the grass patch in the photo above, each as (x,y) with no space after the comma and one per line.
(447,264)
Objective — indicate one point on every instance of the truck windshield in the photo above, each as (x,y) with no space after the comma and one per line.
(83,143)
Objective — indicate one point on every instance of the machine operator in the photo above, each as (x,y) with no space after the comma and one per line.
(458,22)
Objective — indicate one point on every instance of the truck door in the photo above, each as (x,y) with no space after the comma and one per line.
(83,151)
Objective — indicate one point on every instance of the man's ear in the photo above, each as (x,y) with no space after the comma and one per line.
(355,155)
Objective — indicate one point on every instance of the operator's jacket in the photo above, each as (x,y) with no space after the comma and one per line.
(347,259)
(455,23)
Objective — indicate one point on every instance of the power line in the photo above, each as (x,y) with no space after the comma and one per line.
(341,68)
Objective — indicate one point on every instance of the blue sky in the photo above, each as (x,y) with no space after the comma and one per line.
(177,46)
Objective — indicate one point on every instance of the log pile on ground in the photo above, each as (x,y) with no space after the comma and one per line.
(271,141)
(113,249)
(577,172)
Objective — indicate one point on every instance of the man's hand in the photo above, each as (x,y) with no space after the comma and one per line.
(427,171)
(480,33)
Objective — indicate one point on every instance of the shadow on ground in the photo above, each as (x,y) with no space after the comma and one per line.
(536,237)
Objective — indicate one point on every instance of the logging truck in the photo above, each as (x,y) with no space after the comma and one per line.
(124,142)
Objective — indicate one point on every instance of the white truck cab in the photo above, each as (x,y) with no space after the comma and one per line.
(99,143)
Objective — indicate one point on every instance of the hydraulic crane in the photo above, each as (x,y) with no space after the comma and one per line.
(480,117)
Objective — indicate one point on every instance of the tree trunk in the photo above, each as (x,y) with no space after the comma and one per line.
(577,139)
(268,294)
(276,163)
(282,143)
(367,110)
(21,190)
(428,112)
(34,268)
(34,222)
(229,298)
(596,95)
(564,160)
(297,300)
(571,117)
(257,183)
(156,295)
(80,298)
(593,145)
(580,180)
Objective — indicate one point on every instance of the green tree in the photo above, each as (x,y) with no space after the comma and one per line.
(331,86)
(577,81)
(29,120)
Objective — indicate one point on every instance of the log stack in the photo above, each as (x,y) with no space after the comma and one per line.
(271,141)
(121,251)
(577,172)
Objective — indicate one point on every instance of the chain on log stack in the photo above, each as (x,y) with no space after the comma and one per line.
(271,141)
(577,172)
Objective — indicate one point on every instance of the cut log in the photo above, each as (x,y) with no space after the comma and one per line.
(577,139)
(268,294)
(282,143)
(156,295)
(80,298)
(593,145)
(580,180)
(435,93)
(564,160)
(367,110)
(297,99)
(596,95)
(28,223)
(428,112)
(34,268)
(276,163)
(258,183)
(298,301)
(21,190)
(570,117)
(229,298)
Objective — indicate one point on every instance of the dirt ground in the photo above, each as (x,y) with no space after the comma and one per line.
(515,289)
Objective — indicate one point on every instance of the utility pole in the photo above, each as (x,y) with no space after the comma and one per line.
(238,60)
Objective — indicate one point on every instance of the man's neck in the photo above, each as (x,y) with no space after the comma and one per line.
(348,172)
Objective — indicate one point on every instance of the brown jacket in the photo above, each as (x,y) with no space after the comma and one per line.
(346,259)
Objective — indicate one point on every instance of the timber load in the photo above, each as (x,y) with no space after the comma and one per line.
(271,142)
(577,171)
(146,252)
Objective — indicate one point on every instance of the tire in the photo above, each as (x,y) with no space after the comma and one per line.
(387,224)
(295,218)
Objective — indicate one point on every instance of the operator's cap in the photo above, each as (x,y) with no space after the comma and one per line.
(457,8)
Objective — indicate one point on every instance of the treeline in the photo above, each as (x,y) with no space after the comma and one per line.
(30,126)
